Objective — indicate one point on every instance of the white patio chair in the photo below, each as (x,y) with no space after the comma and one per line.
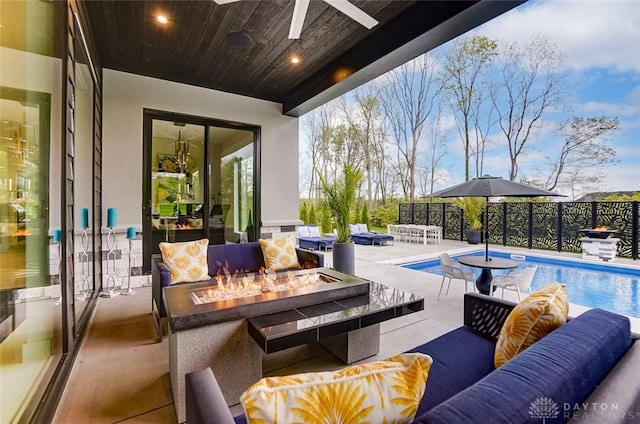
(452,270)
(517,280)
(416,235)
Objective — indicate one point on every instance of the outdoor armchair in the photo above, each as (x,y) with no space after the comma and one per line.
(517,280)
(453,270)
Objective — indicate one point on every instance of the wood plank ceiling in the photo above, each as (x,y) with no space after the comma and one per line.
(194,48)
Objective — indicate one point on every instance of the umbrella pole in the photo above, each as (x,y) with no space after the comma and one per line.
(486,229)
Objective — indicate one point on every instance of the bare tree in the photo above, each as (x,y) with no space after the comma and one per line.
(434,156)
(530,84)
(408,98)
(364,119)
(483,119)
(379,160)
(583,151)
(465,67)
(318,126)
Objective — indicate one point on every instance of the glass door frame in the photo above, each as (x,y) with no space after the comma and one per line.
(149,115)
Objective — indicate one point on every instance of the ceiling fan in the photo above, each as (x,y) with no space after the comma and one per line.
(300,11)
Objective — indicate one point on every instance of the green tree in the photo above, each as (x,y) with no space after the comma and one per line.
(356,213)
(364,214)
(303,213)
(313,218)
(326,224)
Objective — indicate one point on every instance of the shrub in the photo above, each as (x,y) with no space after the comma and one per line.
(303,214)
(384,214)
(364,214)
(313,217)
(326,225)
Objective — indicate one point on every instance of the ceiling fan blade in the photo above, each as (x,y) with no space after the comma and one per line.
(225,1)
(353,12)
(299,13)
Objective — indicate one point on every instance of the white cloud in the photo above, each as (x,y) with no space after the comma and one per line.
(610,109)
(591,33)
(621,178)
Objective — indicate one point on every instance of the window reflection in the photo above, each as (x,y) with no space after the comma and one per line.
(201,182)
(30,310)
(176,180)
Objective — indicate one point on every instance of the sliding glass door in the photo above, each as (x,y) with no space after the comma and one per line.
(232,185)
(199,181)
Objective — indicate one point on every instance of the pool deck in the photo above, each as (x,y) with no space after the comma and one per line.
(122,375)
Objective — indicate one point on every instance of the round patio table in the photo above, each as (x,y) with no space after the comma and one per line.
(483,282)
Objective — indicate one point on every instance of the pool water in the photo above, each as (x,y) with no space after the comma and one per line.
(614,288)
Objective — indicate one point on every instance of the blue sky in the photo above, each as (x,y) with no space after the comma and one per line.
(601,41)
(601,44)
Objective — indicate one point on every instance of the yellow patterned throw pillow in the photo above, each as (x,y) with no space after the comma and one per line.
(539,314)
(187,261)
(279,253)
(375,392)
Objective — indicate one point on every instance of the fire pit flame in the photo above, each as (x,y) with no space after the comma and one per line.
(232,286)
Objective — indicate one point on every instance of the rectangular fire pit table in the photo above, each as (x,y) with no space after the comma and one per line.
(349,328)
(340,311)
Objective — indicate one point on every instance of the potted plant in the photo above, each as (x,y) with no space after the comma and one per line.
(339,201)
(471,210)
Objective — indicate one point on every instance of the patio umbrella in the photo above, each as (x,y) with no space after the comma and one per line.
(488,186)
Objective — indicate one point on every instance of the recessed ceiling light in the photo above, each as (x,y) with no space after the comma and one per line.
(162,19)
(295,60)
(239,39)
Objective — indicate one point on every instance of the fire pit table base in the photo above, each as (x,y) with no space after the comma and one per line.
(355,345)
(226,347)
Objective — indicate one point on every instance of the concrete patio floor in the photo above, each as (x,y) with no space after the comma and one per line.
(121,375)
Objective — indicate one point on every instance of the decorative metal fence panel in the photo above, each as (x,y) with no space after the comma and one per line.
(549,225)
(436,214)
(544,225)
(452,228)
(517,224)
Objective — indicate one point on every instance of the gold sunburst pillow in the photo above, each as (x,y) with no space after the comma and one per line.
(539,314)
(279,253)
(374,392)
(187,261)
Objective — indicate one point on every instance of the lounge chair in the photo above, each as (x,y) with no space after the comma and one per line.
(360,235)
(453,270)
(309,237)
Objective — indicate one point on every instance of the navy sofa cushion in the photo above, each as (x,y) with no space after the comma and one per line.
(316,243)
(562,369)
(371,238)
(460,358)
(236,257)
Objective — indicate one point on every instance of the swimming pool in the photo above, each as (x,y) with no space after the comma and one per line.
(614,288)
